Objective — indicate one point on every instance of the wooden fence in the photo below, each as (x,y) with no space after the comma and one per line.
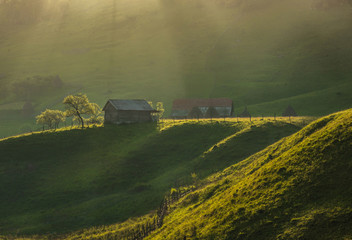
(143,230)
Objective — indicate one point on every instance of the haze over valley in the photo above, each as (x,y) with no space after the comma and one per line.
(265,56)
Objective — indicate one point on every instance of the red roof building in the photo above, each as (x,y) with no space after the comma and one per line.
(183,108)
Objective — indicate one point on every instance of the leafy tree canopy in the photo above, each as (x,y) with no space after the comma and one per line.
(79,105)
(51,118)
(95,116)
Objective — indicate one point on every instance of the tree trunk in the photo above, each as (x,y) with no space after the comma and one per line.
(80,118)
(82,121)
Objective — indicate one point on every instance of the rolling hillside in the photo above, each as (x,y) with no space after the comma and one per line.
(297,188)
(262,55)
(56,182)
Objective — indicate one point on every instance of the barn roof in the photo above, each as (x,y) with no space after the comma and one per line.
(130,105)
(188,104)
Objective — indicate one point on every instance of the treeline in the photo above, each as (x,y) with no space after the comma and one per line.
(34,86)
(77,107)
(328,4)
(28,12)
(30,88)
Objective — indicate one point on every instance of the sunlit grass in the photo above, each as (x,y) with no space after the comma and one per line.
(165,124)
(48,131)
(302,121)
(292,189)
(260,193)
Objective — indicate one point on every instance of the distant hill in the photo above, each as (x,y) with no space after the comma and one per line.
(265,56)
(55,182)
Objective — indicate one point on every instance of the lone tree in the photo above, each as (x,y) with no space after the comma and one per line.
(245,113)
(195,113)
(77,106)
(51,118)
(289,112)
(211,113)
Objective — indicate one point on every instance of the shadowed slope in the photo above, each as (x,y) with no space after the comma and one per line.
(62,181)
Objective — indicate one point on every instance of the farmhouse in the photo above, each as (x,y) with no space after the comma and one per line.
(127,111)
(200,108)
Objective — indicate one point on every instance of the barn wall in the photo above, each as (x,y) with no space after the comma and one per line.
(111,114)
(224,111)
(114,116)
(134,116)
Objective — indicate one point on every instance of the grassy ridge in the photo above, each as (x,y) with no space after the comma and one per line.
(297,188)
(66,180)
(162,50)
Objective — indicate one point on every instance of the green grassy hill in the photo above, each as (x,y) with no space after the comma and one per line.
(72,179)
(297,188)
(261,55)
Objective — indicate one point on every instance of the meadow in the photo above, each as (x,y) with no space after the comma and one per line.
(65,180)
(100,181)
(297,188)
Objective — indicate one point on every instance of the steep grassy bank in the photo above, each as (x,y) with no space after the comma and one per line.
(66,180)
(297,188)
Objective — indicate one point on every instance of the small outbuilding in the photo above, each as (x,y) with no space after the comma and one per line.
(119,111)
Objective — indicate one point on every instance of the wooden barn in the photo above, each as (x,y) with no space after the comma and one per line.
(201,108)
(119,111)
